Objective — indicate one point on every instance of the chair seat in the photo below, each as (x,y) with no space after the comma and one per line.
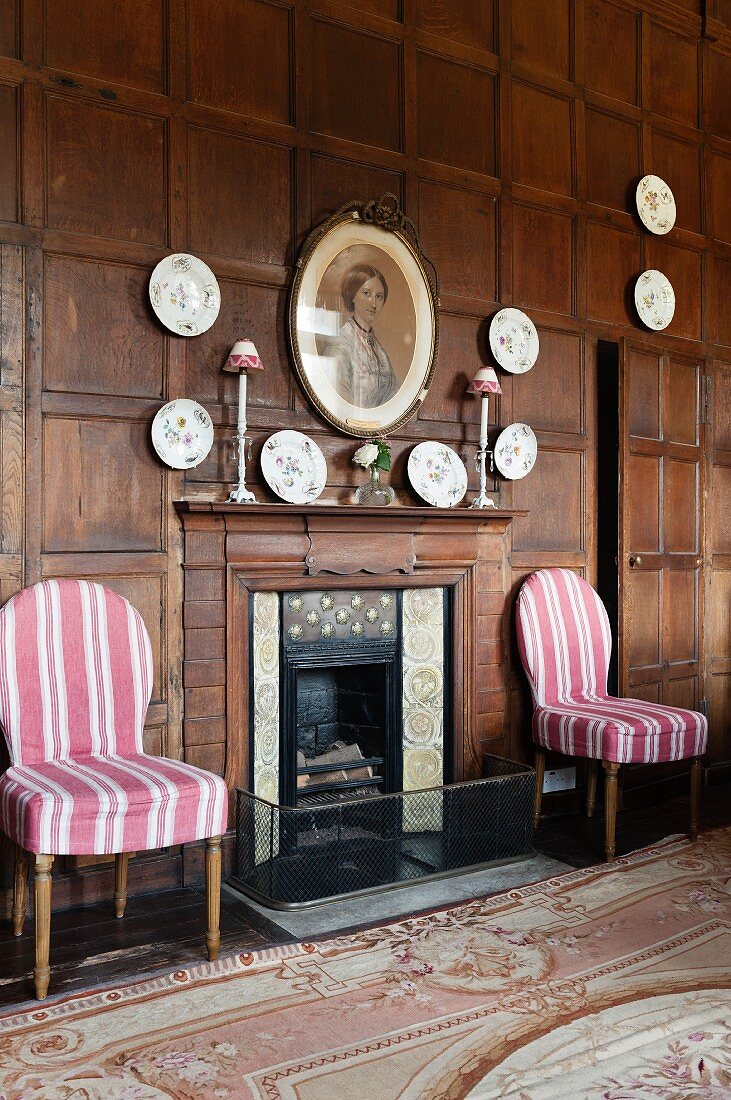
(621,730)
(94,805)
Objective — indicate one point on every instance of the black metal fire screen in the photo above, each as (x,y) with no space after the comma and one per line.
(289,857)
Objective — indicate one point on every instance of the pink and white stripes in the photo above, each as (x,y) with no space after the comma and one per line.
(75,683)
(565,645)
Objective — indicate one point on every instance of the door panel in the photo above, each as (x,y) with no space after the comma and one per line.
(718,557)
(660,526)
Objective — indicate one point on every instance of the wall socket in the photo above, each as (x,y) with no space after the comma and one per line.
(559,779)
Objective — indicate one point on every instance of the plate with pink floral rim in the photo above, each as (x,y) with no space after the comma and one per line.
(655,299)
(182,433)
(184,294)
(294,466)
(437,473)
(515,451)
(655,205)
(514,340)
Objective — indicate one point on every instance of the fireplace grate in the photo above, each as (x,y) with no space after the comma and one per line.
(290,857)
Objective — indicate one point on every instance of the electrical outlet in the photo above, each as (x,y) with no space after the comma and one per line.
(559,779)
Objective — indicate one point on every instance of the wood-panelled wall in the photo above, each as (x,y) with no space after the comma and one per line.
(514,133)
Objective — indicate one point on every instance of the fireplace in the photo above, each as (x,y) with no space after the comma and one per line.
(351,688)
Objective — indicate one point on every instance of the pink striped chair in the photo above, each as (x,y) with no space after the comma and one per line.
(565,643)
(75,683)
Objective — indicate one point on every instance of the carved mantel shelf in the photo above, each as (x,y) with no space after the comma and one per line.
(348,539)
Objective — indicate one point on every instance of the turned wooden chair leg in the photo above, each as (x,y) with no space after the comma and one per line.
(20,883)
(610,807)
(540,766)
(591,774)
(213,896)
(42,900)
(696,774)
(121,862)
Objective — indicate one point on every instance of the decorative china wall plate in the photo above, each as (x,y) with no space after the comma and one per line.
(437,474)
(656,205)
(655,299)
(184,294)
(182,433)
(294,466)
(515,451)
(514,340)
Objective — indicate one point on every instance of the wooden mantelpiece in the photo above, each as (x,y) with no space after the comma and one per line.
(232,551)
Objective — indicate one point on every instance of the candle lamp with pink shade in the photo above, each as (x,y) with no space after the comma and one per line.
(242,358)
(484,383)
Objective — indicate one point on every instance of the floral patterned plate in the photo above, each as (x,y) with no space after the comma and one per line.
(655,299)
(437,473)
(182,433)
(655,204)
(515,451)
(514,340)
(184,294)
(294,466)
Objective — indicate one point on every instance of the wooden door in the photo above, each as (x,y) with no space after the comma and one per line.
(718,568)
(661,527)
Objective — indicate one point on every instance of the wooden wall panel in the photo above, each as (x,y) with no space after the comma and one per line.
(127,48)
(555,503)
(8,154)
(231,180)
(369,109)
(718,116)
(543,259)
(103,486)
(719,295)
(9,18)
(83,298)
(241,57)
(87,192)
(458,232)
(542,138)
(681,162)
(542,35)
(246,311)
(612,54)
(447,398)
(683,267)
(719,188)
(612,266)
(334,181)
(463,136)
(612,159)
(471,22)
(673,82)
(555,399)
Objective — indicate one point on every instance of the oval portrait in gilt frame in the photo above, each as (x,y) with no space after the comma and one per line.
(363,321)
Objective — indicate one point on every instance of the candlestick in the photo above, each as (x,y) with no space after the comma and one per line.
(243,357)
(485,382)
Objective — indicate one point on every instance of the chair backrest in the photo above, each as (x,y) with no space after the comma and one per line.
(563,636)
(75,672)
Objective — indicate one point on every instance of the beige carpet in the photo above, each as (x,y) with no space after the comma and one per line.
(608,982)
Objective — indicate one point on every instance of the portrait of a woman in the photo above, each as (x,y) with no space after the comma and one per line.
(360,365)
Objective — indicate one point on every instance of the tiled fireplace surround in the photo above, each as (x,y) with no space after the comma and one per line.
(235,556)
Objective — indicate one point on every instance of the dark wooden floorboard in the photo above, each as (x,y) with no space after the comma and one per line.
(165,931)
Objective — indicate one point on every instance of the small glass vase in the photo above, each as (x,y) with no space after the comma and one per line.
(372,493)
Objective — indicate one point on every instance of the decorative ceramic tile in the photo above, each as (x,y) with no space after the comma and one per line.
(422,626)
(265,659)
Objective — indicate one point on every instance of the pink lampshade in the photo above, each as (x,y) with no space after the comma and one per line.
(485,381)
(243,356)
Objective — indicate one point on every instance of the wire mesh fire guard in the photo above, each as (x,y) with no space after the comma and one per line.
(290,857)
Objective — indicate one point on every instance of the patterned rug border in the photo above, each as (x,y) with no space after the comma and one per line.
(107,997)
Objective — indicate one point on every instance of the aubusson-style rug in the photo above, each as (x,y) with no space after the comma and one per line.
(609,982)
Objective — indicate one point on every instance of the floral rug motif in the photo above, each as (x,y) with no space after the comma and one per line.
(611,982)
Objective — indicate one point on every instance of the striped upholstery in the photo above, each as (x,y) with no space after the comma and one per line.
(565,644)
(75,683)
